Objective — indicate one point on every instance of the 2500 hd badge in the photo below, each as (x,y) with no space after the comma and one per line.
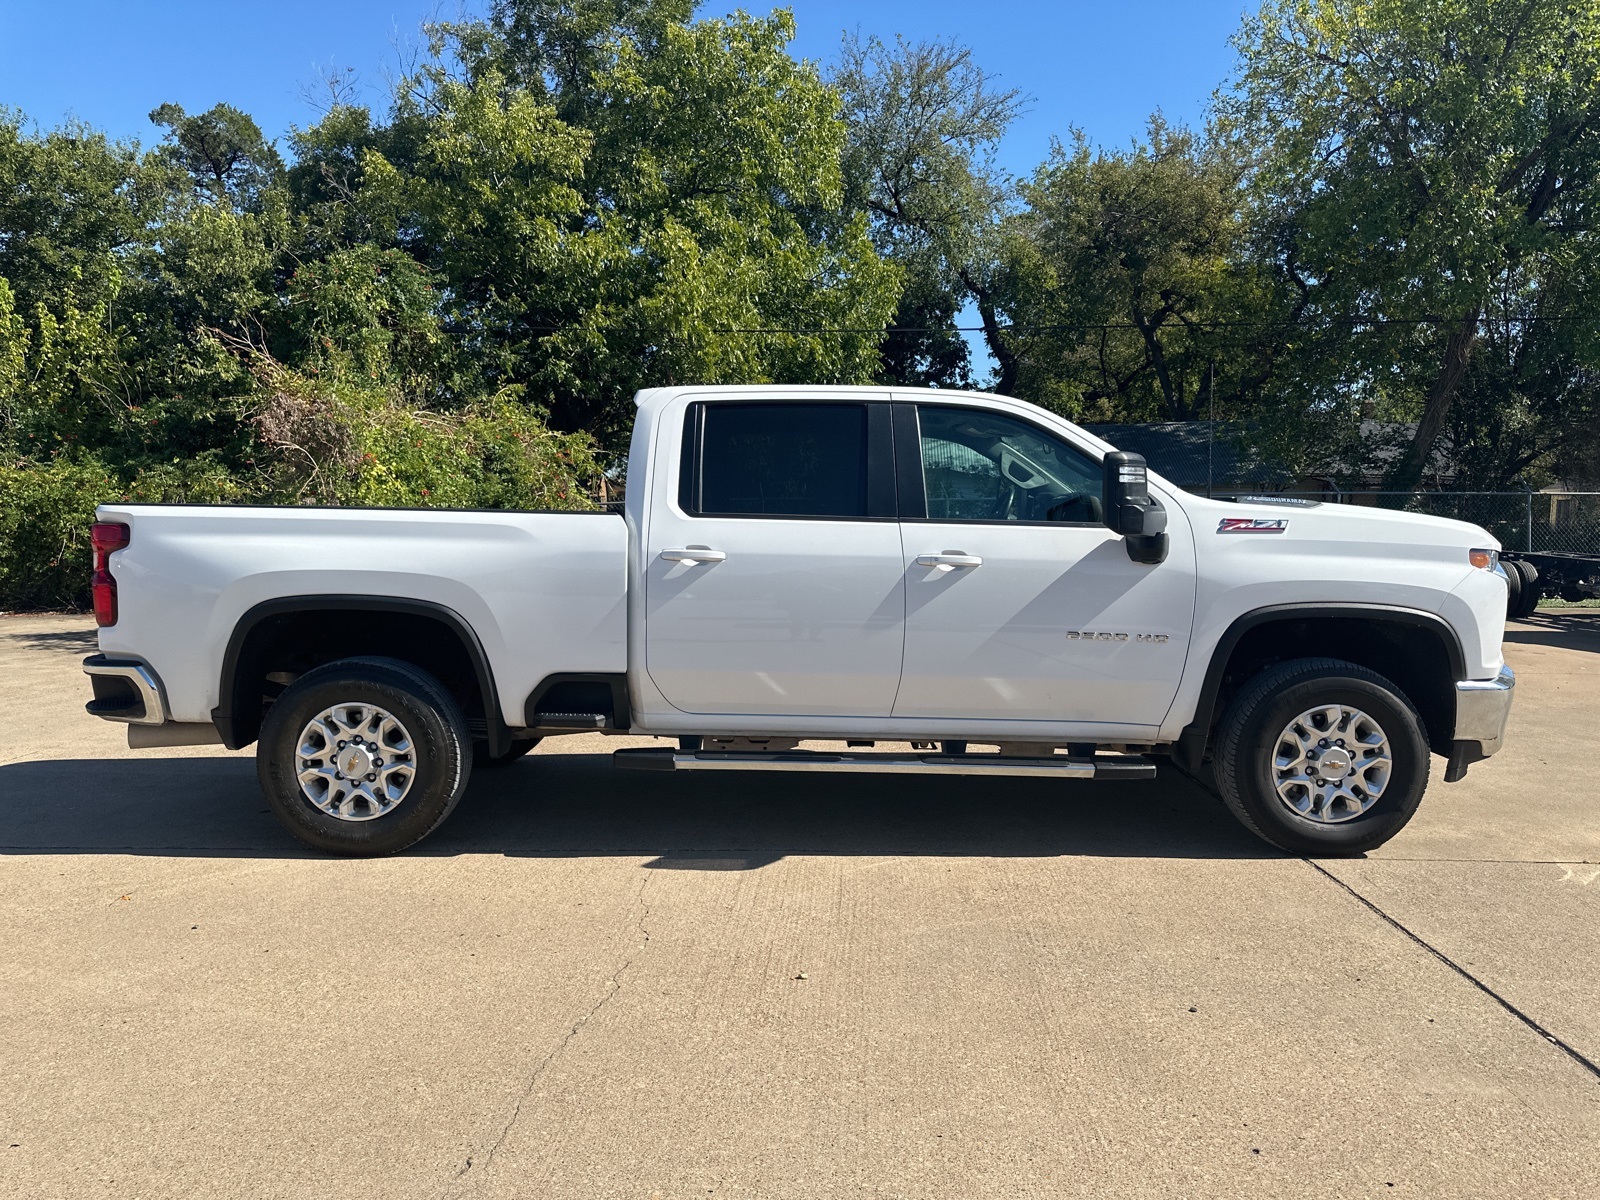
(1102,635)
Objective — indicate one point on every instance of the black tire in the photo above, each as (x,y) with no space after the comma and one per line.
(482,760)
(430,716)
(1529,599)
(1247,740)
(1513,589)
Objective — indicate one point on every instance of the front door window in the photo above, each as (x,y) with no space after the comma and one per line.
(985,466)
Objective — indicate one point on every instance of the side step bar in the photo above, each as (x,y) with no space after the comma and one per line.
(554,722)
(651,759)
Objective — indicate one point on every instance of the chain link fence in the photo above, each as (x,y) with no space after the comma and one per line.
(1219,458)
(1531,522)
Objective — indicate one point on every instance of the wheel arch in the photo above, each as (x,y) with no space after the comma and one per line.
(262,627)
(1371,635)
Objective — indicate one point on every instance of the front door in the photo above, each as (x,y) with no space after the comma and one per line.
(774,582)
(1020,604)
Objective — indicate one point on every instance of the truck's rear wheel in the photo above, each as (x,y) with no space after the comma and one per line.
(364,756)
(1322,757)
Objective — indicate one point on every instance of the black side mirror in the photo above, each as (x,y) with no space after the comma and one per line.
(1131,510)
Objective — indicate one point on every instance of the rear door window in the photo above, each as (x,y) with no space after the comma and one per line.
(776,460)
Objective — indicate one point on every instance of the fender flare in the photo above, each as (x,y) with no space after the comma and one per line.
(1193,742)
(223,716)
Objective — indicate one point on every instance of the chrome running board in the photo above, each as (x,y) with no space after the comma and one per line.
(1118,767)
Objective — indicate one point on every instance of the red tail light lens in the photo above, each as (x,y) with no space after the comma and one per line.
(105,537)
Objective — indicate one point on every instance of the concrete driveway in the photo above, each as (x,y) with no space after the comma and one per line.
(594,984)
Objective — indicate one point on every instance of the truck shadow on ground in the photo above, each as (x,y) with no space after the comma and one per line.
(578,805)
(1573,629)
(70,640)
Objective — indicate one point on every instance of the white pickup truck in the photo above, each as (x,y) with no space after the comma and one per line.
(965,573)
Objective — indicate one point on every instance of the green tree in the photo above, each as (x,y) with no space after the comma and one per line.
(924,124)
(74,208)
(1414,161)
(611,195)
(1528,410)
(223,150)
(71,204)
(924,346)
(1127,274)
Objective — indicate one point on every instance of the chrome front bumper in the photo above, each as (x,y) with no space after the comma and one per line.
(1482,708)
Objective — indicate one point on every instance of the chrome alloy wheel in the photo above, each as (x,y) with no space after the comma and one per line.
(355,762)
(1331,764)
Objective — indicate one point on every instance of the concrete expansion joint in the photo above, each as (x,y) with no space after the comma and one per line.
(613,987)
(1572,1052)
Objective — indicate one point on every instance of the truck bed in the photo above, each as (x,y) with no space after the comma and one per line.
(544,592)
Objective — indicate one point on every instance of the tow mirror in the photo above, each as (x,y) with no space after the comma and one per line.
(1131,510)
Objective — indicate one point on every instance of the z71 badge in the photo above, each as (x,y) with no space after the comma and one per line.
(1253,525)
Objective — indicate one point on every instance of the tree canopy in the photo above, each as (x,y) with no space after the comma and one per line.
(1127,274)
(449,298)
(1429,171)
(925,122)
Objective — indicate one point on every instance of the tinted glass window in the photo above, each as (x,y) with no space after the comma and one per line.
(792,460)
(984,466)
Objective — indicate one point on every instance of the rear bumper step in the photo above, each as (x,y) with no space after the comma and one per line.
(125,689)
(650,759)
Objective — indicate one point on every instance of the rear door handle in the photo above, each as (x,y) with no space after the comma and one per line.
(694,554)
(951,558)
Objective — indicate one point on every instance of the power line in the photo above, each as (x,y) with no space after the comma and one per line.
(1107,326)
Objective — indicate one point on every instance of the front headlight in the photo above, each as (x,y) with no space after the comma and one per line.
(1484,560)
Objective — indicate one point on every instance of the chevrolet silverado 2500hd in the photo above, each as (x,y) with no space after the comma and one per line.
(966,573)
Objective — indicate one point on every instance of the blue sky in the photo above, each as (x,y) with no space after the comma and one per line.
(1100,66)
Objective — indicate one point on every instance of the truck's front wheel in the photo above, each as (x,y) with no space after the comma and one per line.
(364,756)
(1322,757)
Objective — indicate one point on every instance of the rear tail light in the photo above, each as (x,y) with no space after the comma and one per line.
(105,537)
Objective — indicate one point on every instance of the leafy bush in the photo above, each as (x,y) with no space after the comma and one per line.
(496,454)
(313,442)
(46,509)
(332,441)
(45,513)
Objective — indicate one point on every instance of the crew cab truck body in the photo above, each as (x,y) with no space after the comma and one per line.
(964,572)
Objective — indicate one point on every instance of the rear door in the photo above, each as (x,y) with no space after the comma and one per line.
(1020,604)
(774,576)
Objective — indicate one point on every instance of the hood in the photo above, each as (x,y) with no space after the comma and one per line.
(1340,522)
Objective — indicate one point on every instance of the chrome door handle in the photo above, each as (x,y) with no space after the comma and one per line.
(951,558)
(694,554)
